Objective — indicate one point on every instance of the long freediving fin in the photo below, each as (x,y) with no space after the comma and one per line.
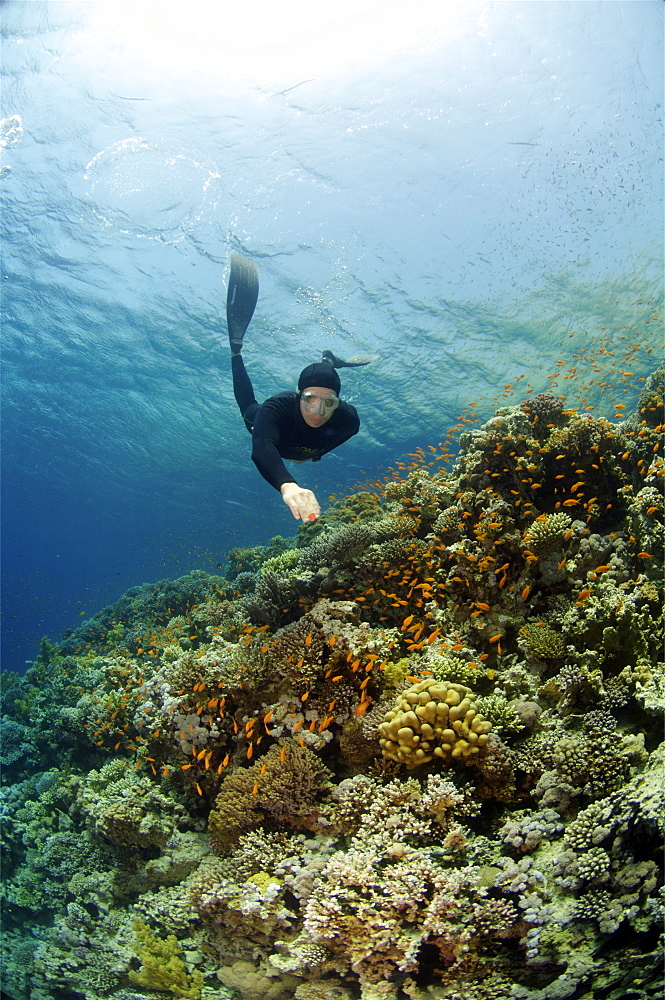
(355,362)
(241,299)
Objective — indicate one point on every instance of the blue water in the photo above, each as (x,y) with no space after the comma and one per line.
(472,191)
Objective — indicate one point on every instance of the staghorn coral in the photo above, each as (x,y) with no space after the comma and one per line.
(433,719)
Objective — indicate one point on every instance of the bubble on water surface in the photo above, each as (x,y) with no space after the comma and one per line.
(150,189)
(11,132)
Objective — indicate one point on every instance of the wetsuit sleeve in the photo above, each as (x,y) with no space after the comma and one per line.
(265,449)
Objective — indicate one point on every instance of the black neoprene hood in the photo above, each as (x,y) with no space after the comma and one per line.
(321,374)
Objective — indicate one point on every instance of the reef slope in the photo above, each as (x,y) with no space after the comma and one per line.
(414,752)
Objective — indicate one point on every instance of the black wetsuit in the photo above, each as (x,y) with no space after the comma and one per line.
(279,431)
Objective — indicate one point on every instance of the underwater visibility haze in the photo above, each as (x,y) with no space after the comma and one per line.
(411,751)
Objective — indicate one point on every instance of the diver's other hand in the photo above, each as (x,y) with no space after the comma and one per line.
(301,502)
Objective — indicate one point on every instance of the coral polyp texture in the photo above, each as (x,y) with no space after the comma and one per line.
(412,753)
(433,719)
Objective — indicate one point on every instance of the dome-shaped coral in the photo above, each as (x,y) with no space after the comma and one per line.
(433,719)
(547,535)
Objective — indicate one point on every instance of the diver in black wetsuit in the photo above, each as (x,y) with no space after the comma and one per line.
(297,426)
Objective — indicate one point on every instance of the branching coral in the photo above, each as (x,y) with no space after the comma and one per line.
(284,787)
(162,965)
(380,917)
(548,535)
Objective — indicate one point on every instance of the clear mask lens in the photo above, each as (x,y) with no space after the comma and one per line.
(322,405)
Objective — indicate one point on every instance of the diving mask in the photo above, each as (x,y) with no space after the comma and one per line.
(323,405)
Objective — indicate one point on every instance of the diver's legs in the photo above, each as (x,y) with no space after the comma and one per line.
(243,391)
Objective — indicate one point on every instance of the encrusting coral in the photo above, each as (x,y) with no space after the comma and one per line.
(412,753)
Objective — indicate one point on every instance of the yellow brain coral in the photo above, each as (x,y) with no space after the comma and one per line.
(433,719)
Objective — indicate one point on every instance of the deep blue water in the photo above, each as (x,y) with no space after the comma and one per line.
(474,192)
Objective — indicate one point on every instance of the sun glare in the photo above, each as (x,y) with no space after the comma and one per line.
(269,44)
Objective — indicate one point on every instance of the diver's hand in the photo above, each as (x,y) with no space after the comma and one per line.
(301,502)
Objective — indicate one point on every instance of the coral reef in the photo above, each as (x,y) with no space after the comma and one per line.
(412,753)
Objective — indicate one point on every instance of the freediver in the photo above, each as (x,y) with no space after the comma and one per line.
(297,426)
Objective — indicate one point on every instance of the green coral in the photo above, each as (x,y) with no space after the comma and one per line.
(543,641)
(395,673)
(162,965)
(281,563)
(500,713)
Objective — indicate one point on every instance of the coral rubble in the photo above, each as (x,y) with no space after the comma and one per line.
(412,753)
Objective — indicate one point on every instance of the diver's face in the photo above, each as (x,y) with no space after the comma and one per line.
(317,405)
